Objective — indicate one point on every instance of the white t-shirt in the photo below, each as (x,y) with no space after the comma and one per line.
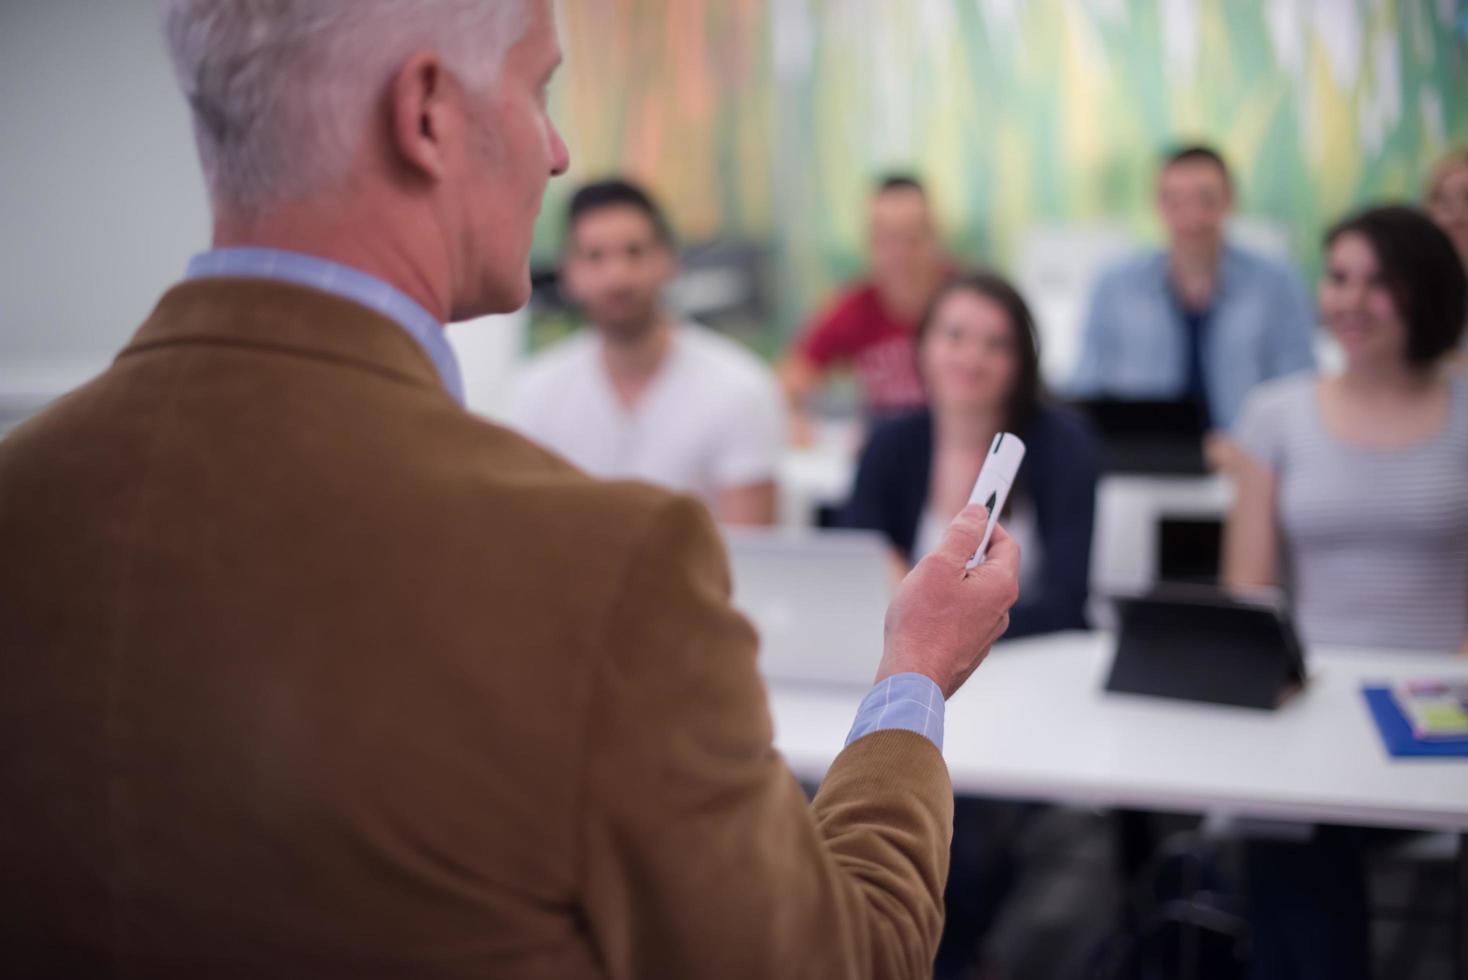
(710,419)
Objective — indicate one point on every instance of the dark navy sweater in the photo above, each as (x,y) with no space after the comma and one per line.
(1058,477)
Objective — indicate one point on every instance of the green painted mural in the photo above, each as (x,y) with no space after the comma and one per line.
(767,119)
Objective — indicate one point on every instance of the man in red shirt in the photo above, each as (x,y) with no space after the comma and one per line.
(871,326)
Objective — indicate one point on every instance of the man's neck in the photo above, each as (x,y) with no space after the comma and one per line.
(963,430)
(339,238)
(632,363)
(906,300)
(1388,379)
(1194,273)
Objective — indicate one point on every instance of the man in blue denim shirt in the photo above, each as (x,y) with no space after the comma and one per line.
(1203,320)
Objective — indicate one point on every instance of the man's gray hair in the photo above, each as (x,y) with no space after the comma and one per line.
(282,91)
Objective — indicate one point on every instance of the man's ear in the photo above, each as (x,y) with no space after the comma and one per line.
(424,117)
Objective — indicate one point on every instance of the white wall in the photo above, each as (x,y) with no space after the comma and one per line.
(101,201)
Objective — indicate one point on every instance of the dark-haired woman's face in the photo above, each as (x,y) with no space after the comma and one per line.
(1357,305)
(969,358)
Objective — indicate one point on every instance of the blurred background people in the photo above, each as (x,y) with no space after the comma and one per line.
(1447,200)
(871,325)
(979,361)
(1351,490)
(1203,320)
(1447,203)
(638,393)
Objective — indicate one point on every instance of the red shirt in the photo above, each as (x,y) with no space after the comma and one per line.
(857,328)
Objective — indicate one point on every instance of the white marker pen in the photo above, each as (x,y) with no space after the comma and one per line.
(994,483)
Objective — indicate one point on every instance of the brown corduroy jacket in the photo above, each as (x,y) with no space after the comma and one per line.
(307,672)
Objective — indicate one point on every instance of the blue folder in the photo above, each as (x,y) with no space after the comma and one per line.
(1396,731)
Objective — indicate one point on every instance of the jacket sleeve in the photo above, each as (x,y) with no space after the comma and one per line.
(702,857)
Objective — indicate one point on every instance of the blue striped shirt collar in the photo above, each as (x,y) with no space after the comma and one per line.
(346,282)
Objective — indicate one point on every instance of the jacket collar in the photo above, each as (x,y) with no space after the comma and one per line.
(285,318)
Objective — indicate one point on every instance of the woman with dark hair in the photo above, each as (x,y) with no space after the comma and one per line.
(1350,494)
(980,364)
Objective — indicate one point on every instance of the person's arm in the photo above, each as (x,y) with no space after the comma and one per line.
(899,564)
(799,377)
(701,856)
(1089,378)
(747,458)
(827,340)
(1250,536)
(1220,451)
(749,504)
(1293,336)
(1064,491)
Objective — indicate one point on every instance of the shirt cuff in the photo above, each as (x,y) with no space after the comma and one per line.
(909,702)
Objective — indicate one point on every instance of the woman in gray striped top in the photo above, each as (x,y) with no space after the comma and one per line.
(1353,489)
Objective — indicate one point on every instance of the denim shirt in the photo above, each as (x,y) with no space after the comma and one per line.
(1134,344)
(344,281)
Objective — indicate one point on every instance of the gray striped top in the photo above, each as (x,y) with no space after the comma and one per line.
(1374,542)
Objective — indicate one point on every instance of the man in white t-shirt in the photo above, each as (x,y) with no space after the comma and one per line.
(641,395)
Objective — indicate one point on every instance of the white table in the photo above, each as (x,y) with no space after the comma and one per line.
(1035,723)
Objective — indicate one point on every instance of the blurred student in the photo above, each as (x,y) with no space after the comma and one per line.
(1202,320)
(641,394)
(1447,202)
(979,361)
(1350,493)
(871,325)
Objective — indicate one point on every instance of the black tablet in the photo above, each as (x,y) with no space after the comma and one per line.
(1203,644)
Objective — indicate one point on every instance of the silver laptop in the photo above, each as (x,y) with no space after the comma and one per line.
(818,599)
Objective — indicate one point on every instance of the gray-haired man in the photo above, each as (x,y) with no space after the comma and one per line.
(309,673)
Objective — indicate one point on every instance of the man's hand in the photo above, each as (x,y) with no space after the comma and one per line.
(945,616)
(1222,454)
(799,379)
